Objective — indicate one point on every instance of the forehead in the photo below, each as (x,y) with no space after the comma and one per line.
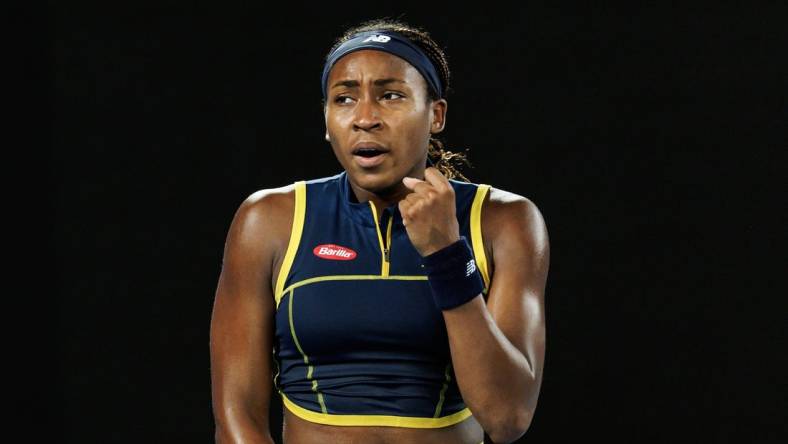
(371,64)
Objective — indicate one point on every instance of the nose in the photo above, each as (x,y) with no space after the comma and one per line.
(367,117)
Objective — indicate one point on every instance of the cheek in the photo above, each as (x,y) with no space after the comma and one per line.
(418,128)
(335,120)
(336,135)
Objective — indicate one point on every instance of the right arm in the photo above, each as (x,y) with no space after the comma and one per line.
(242,323)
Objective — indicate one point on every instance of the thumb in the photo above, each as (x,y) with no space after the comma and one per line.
(411,182)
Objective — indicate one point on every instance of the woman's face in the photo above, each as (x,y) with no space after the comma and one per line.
(379,120)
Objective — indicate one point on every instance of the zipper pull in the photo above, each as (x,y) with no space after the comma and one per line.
(386,254)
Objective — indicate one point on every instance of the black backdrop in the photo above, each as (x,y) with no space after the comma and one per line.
(648,137)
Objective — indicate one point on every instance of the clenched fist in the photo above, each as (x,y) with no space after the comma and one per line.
(429,212)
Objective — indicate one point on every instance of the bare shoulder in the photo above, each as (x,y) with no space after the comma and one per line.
(509,218)
(269,200)
(507,207)
(264,218)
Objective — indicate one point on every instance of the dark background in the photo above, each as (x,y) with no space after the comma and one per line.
(649,138)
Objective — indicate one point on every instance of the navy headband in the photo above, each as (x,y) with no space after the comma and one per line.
(392,43)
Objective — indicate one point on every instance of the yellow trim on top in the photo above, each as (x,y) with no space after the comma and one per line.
(387,255)
(295,238)
(476,234)
(348,277)
(375,420)
(384,265)
(442,396)
(310,368)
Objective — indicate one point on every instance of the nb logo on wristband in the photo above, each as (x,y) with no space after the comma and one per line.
(470,267)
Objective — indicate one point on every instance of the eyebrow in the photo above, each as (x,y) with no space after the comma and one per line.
(378,82)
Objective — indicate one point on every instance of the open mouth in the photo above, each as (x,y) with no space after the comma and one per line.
(369,155)
(368,152)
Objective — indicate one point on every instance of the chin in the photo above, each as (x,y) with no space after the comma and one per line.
(378,182)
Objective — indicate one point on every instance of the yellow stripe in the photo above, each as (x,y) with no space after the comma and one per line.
(295,239)
(350,277)
(310,369)
(386,262)
(320,399)
(375,420)
(293,334)
(276,364)
(443,392)
(383,270)
(476,234)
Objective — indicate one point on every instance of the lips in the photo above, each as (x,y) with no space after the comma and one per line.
(369,154)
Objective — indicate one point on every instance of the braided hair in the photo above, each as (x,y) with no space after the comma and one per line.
(447,162)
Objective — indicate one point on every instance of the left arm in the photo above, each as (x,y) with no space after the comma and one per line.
(497,348)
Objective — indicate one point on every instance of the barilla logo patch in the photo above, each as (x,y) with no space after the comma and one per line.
(334,252)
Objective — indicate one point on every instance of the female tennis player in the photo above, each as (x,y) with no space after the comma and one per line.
(389,303)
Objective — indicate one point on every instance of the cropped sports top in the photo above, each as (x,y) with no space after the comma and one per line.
(359,340)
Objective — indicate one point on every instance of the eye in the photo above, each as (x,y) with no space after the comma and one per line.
(342,100)
(392,95)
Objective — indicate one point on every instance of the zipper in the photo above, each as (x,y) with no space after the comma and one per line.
(385,243)
(387,247)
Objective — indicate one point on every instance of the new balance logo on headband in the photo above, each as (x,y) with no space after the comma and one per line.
(380,38)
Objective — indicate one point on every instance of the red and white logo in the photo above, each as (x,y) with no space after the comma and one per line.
(334,252)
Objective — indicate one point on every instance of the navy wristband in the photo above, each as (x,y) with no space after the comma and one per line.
(453,275)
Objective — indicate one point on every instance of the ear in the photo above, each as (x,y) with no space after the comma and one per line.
(439,108)
(325,121)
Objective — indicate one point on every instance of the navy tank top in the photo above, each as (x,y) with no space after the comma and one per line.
(359,340)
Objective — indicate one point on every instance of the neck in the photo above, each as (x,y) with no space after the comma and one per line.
(381,198)
(388,196)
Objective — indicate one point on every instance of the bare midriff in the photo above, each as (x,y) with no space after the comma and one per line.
(300,431)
